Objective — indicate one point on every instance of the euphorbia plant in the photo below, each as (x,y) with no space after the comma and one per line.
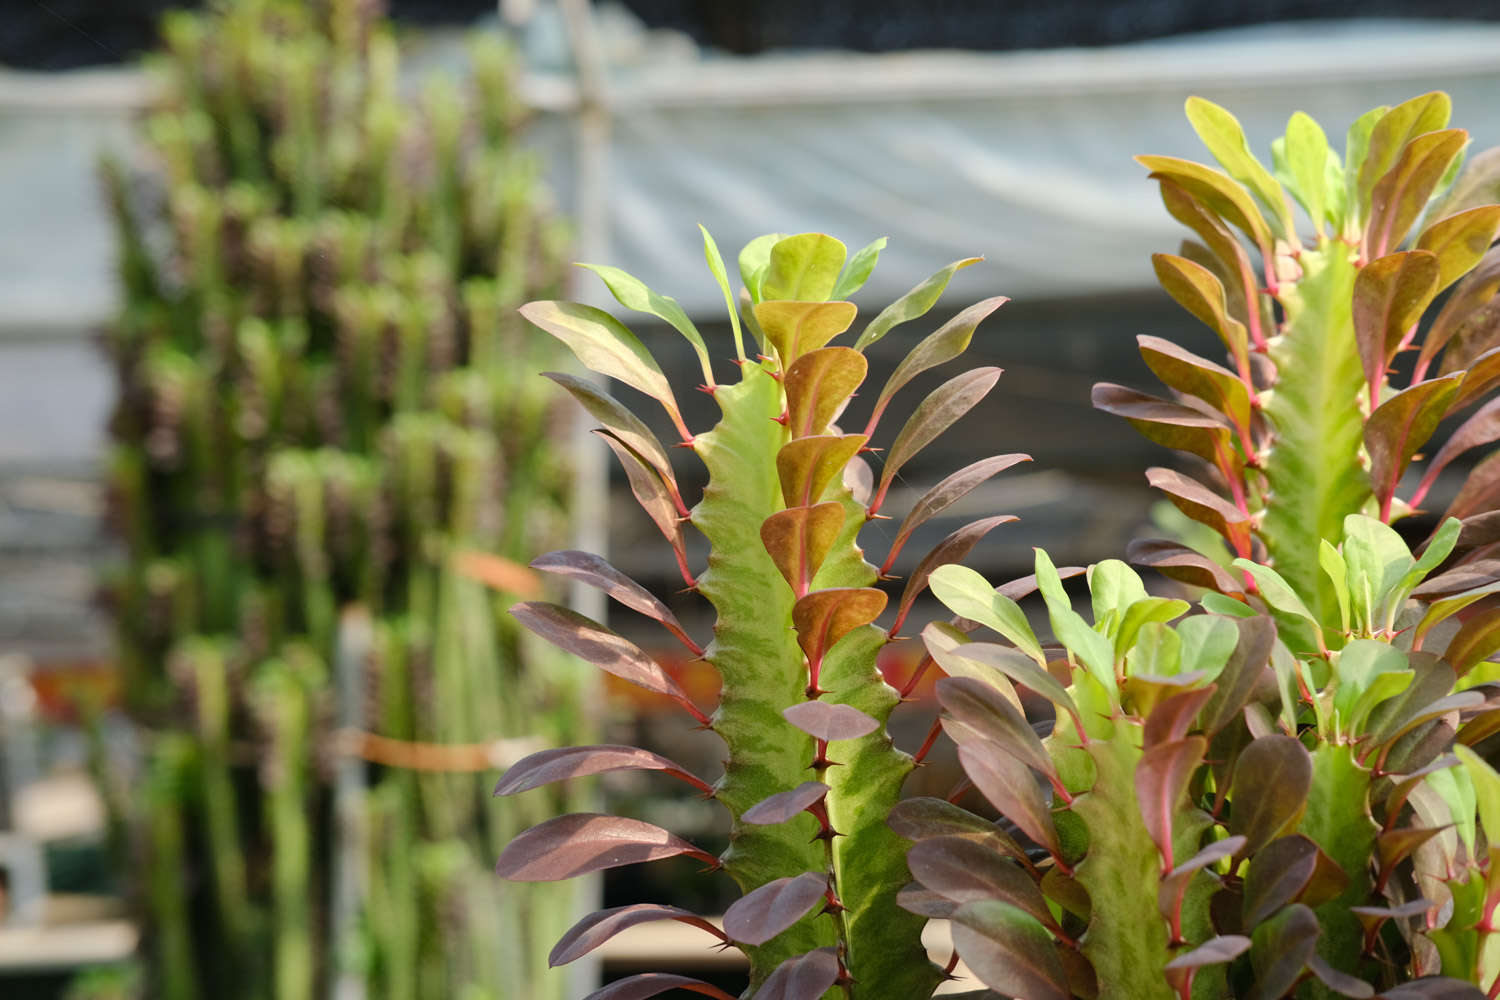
(811,773)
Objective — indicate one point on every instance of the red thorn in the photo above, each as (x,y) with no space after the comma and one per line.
(687,443)
(783,420)
(710,389)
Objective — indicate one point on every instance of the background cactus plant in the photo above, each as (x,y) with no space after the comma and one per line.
(811,772)
(324,415)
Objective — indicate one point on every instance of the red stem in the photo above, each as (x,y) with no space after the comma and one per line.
(932,735)
(916,675)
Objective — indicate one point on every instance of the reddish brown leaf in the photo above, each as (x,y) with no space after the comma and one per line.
(650,984)
(946,343)
(1399,196)
(1024,586)
(580,843)
(1390,295)
(990,716)
(1400,426)
(1171,425)
(620,422)
(1290,944)
(1173,716)
(950,550)
(794,327)
(783,806)
(823,617)
(807,465)
(1394,846)
(562,763)
(1480,492)
(1186,372)
(924,902)
(1010,787)
(935,414)
(806,977)
(800,538)
(944,495)
(598,927)
(920,818)
(1271,780)
(1009,951)
(1177,561)
(965,872)
(1460,241)
(1483,427)
(1480,377)
(1161,779)
(596,572)
(587,639)
(760,915)
(1278,873)
(1469,295)
(1465,576)
(1214,951)
(651,493)
(1238,680)
(1203,505)
(818,385)
(1478,639)
(828,721)
(1174,884)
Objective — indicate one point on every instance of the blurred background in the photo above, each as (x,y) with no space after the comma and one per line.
(274,455)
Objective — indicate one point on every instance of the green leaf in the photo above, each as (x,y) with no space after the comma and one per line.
(1460,241)
(1012,663)
(1156,652)
(858,270)
(969,595)
(1220,131)
(1486,786)
(1368,671)
(818,385)
(1269,790)
(912,305)
(1220,604)
(1390,295)
(754,261)
(1276,592)
(1356,148)
(803,268)
(721,275)
(795,328)
(1217,193)
(603,345)
(1337,571)
(1208,641)
(946,343)
(1387,137)
(1093,650)
(1152,610)
(1306,154)
(632,293)
(1378,560)
(1113,586)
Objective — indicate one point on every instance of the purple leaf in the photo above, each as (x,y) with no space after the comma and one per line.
(818,385)
(597,928)
(1009,951)
(1269,789)
(924,902)
(612,653)
(806,977)
(581,843)
(1466,576)
(935,414)
(922,818)
(1171,425)
(1161,779)
(650,984)
(966,872)
(1177,561)
(1010,787)
(596,572)
(798,539)
(991,717)
(625,426)
(944,495)
(783,806)
(1173,716)
(1214,951)
(950,550)
(943,345)
(1390,295)
(827,721)
(805,466)
(1400,426)
(653,496)
(760,915)
(562,763)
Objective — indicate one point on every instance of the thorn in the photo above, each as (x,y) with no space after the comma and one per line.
(813,692)
(831,908)
(827,833)
(868,450)
(710,389)
(689,443)
(783,420)
(886,577)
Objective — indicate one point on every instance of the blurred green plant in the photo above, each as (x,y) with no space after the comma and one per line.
(327,404)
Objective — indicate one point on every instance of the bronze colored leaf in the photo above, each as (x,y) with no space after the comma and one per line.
(1203,505)
(580,843)
(991,717)
(1199,291)
(794,328)
(1009,951)
(950,550)
(829,721)
(1482,427)
(944,495)
(1480,492)
(1478,639)
(806,977)
(1173,716)
(1289,945)
(1011,788)
(1392,133)
(1482,376)
(967,872)
(650,984)
(1177,561)
(1399,197)
(943,345)
(1269,790)
(652,494)
(1469,296)
(597,572)
(620,422)
(1460,241)
(1278,874)
(783,806)
(590,641)
(1227,251)
(1161,779)
(1400,426)
(921,818)
(935,414)
(818,385)
(1186,372)
(763,913)
(598,927)
(800,538)
(807,465)
(1171,425)
(823,617)
(1390,295)
(1217,193)
(562,763)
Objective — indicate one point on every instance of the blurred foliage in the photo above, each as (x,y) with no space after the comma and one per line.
(325,401)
